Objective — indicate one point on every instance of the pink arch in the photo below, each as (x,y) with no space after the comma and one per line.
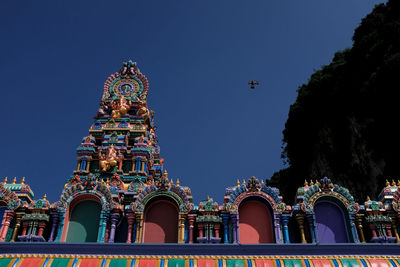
(255,223)
(161,222)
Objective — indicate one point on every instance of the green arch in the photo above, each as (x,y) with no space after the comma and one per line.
(84,222)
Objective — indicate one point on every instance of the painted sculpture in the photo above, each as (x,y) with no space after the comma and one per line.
(121,193)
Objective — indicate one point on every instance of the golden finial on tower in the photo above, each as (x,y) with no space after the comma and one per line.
(311,182)
(305,183)
(244,182)
(393,183)
(262,182)
(237,182)
(368,198)
(178,183)
(387,183)
(172,181)
(44,197)
(23,180)
(5,180)
(166,173)
(14,181)
(398,182)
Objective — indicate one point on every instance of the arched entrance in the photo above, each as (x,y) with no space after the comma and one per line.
(160,222)
(255,223)
(330,223)
(84,220)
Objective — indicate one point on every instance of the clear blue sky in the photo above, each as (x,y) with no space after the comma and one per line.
(198,57)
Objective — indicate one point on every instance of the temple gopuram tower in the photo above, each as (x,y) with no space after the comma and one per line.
(120,175)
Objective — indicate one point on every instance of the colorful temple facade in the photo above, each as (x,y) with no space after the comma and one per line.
(120,193)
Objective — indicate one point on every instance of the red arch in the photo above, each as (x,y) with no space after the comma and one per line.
(161,222)
(255,223)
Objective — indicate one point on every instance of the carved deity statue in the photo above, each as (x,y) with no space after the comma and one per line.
(110,159)
(144,112)
(120,107)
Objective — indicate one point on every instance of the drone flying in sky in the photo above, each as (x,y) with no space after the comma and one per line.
(253,84)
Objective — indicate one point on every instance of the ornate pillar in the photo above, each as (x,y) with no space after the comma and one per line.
(225,221)
(54,220)
(42,225)
(311,220)
(107,234)
(396,234)
(373,229)
(8,216)
(24,228)
(191,218)
(181,228)
(200,226)
(285,223)
(353,227)
(17,226)
(139,221)
(102,225)
(216,229)
(277,227)
(300,220)
(88,163)
(114,220)
(235,222)
(60,226)
(130,217)
(359,218)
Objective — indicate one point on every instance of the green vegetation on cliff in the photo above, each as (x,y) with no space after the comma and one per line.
(344,122)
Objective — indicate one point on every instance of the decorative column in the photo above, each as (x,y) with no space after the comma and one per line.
(89,159)
(191,218)
(200,226)
(54,218)
(114,220)
(24,228)
(42,225)
(353,227)
(300,220)
(373,229)
(181,228)
(104,214)
(285,223)
(107,234)
(216,229)
(277,227)
(130,217)
(17,225)
(8,215)
(359,218)
(225,221)
(139,221)
(235,225)
(60,226)
(396,234)
(311,219)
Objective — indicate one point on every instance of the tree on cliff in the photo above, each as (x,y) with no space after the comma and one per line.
(344,120)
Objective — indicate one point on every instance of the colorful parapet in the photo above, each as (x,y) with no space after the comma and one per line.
(120,192)
(194,261)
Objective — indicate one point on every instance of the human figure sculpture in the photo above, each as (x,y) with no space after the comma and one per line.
(109,160)
(120,107)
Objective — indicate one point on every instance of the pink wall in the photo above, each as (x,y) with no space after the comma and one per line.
(161,223)
(255,223)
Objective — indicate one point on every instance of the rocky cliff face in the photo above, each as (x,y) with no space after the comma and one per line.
(343,123)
